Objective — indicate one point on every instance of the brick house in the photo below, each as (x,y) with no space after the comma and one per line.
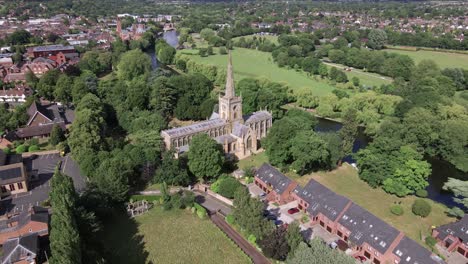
(365,234)
(13,179)
(36,220)
(277,186)
(42,119)
(453,236)
(51,50)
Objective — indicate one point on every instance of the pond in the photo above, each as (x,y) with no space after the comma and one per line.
(441,170)
(172,39)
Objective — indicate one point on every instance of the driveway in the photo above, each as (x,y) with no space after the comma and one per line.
(212,204)
(254,190)
(282,214)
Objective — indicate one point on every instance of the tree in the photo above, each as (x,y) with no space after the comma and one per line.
(248,213)
(309,152)
(275,245)
(377,39)
(64,236)
(323,70)
(318,253)
(112,179)
(207,34)
(421,207)
(56,135)
(355,81)
(228,187)
(206,157)
(166,54)
(334,144)
(133,63)
(46,84)
(171,171)
(409,178)
(63,88)
(294,237)
(348,132)
(459,189)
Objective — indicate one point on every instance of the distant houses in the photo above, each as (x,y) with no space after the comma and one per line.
(366,234)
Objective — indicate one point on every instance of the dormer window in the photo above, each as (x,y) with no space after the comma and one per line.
(408,259)
(399,253)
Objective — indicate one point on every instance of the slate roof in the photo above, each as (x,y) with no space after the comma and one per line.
(458,229)
(12,173)
(322,200)
(20,248)
(195,128)
(37,214)
(51,112)
(33,131)
(225,138)
(240,130)
(52,48)
(269,175)
(368,228)
(257,116)
(410,252)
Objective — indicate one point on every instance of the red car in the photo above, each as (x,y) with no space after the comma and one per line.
(360,258)
(293,211)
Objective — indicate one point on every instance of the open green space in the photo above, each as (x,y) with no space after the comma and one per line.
(273,39)
(443,59)
(175,236)
(365,78)
(249,63)
(345,181)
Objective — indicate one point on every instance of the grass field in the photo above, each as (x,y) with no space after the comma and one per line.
(257,64)
(175,236)
(443,59)
(273,39)
(365,78)
(345,181)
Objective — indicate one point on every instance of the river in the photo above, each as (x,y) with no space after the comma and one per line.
(172,39)
(441,170)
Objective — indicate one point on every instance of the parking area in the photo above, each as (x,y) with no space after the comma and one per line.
(40,168)
(254,190)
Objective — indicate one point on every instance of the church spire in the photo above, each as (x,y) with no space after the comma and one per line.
(229,80)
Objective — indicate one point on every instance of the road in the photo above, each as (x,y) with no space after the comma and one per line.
(248,249)
(212,204)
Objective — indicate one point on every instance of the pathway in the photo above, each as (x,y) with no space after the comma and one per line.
(248,249)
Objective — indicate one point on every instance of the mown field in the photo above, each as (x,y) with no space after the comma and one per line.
(257,64)
(273,39)
(175,236)
(345,181)
(443,59)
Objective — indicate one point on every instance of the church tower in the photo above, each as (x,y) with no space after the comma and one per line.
(230,105)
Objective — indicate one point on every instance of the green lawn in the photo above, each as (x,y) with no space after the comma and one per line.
(345,181)
(175,236)
(273,39)
(443,59)
(365,78)
(257,64)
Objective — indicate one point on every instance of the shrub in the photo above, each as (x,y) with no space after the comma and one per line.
(215,186)
(421,207)
(193,209)
(149,198)
(396,209)
(430,241)
(176,201)
(21,149)
(201,213)
(230,219)
(252,239)
(249,180)
(188,198)
(33,148)
(228,187)
(7,151)
(421,193)
(222,51)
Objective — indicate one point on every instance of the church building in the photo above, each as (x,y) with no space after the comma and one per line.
(238,134)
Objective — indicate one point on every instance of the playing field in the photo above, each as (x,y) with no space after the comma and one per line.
(175,236)
(443,59)
(257,64)
(273,39)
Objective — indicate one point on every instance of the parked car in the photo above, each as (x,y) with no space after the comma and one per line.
(278,222)
(293,211)
(360,258)
(266,213)
(262,195)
